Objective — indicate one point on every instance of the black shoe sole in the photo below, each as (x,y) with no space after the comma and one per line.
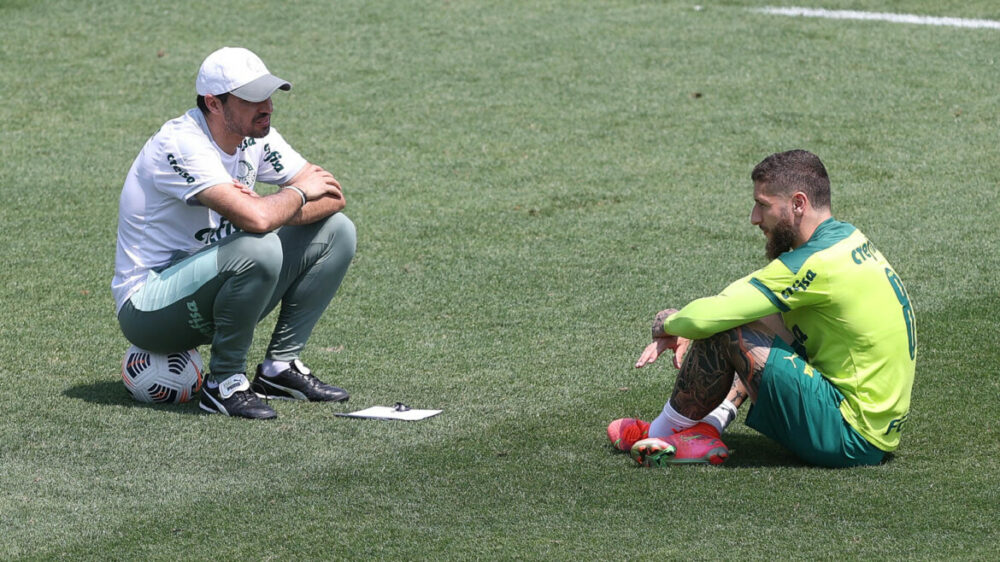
(211,410)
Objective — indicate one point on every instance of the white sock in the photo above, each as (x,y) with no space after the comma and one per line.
(273,368)
(722,416)
(669,422)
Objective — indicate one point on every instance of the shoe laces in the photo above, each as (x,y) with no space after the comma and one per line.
(310,379)
(245,396)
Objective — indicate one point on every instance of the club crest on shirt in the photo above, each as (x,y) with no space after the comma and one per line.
(245,173)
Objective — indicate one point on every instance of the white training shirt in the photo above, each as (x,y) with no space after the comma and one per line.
(158,213)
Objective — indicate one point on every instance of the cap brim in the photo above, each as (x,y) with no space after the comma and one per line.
(260,89)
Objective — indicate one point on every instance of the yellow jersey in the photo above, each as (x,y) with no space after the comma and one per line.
(851,317)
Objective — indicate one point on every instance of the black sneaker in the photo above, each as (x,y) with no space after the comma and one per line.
(296,383)
(233,397)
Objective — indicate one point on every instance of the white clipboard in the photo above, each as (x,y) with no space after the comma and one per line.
(398,412)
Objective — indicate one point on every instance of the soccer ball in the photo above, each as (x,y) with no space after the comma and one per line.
(171,378)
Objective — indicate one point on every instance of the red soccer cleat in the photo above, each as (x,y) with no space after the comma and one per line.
(699,444)
(624,432)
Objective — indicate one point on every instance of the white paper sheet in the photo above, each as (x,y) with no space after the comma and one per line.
(391,413)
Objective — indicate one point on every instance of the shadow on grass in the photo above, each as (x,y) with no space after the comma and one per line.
(755,450)
(750,451)
(758,451)
(113,393)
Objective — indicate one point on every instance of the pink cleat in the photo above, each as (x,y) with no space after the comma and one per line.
(695,445)
(624,432)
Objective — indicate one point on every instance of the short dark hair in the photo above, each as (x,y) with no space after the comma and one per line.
(201,101)
(795,170)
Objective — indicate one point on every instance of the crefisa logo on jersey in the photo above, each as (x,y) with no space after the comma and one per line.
(799,285)
(180,171)
(864,252)
(209,235)
(197,321)
(274,157)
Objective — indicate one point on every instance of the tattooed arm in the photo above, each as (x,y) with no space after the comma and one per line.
(661,317)
(662,341)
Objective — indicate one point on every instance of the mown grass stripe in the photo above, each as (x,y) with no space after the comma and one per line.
(880,16)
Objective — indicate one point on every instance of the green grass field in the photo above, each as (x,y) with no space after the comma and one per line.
(531,182)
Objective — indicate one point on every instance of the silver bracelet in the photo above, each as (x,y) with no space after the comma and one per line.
(301,193)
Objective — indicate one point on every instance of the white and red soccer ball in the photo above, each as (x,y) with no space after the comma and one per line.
(153,377)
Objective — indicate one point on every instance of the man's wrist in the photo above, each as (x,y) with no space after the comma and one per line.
(657,329)
(301,193)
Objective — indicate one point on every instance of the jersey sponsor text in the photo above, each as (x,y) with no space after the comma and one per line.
(799,285)
(274,157)
(180,171)
(208,235)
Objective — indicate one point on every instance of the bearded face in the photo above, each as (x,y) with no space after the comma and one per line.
(780,237)
(772,213)
(247,119)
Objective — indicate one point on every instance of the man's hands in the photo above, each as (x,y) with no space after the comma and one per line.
(244,189)
(654,350)
(663,341)
(252,212)
(324,195)
(316,182)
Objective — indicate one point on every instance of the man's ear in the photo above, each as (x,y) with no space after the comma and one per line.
(799,202)
(213,104)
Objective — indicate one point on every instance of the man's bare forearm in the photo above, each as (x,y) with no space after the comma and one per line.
(317,209)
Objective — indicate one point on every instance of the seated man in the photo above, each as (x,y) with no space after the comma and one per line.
(830,381)
(202,257)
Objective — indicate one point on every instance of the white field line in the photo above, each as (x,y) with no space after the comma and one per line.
(879,16)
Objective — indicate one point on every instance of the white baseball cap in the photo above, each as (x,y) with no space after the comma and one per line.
(237,71)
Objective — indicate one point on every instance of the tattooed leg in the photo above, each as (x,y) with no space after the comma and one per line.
(704,379)
(706,375)
(738,393)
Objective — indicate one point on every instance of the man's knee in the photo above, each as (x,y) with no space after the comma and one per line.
(723,345)
(341,233)
(743,350)
(245,252)
(775,324)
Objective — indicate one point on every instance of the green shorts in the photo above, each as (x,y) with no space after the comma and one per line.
(799,408)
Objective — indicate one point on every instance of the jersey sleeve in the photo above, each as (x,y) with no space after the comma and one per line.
(279,161)
(185,165)
(773,288)
(739,303)
(787,289)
